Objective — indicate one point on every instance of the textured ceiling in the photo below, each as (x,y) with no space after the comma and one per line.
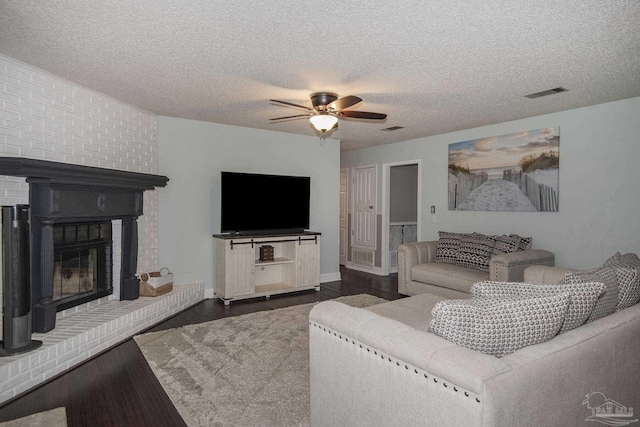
(432,66)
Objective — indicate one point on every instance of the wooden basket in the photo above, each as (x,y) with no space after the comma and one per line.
(156,283)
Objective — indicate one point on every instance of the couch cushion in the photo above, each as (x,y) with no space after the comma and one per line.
(414,311)
(448,244)
(628,271)
(583,296)
(500,327)
(608,301)
(448,276)
(475,251)
(544,274)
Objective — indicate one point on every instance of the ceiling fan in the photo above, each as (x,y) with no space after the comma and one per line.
(327,107)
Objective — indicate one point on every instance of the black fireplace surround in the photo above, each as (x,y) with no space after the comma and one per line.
(62,193)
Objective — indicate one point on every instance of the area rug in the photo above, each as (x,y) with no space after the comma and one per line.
(53,418)
(248,370)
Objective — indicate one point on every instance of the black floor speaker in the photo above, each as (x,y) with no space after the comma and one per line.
(16,282)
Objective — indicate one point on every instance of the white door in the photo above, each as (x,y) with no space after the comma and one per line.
(343,216)
(364,202)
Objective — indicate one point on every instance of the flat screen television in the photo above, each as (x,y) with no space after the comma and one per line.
(264,204)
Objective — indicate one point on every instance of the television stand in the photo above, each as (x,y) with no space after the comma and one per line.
(240,274)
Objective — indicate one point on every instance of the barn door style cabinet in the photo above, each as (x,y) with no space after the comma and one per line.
(289,263)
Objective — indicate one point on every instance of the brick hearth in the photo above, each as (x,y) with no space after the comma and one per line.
(83,332)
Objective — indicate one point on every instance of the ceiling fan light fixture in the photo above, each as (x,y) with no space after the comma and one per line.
(323,122)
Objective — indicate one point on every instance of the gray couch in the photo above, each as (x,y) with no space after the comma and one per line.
(419,273)
(379,367)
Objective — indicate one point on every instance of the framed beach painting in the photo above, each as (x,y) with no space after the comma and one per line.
(516,172)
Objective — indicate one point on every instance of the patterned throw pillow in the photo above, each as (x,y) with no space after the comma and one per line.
(583,296)
(475,251)
(628,272)
(631,259)
(608,301)
(448,244)
(525,242)
(497,327)
(504,245)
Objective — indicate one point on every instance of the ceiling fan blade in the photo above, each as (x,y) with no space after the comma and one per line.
(291,104)
(344,102)
(361,115)
(291,117)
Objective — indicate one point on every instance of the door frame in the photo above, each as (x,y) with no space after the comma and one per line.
(347,208)
(386,182)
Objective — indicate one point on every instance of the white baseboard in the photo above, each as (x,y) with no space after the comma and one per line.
(373,270)
(330,277)
(208,293)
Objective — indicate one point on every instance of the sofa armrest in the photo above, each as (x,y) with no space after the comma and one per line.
(411,254)
(510,267)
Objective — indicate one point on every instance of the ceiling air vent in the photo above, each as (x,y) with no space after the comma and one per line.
(392,128)
(546,93)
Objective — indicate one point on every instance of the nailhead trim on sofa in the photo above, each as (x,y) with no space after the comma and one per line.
(399,363)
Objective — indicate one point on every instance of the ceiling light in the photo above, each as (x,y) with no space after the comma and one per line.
(323,122)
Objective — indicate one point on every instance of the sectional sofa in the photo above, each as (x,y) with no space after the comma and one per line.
(380,367)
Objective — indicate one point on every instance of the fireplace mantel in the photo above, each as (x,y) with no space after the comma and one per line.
(62,193)
(66,173)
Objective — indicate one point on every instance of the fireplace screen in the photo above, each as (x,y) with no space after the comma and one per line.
(82,265)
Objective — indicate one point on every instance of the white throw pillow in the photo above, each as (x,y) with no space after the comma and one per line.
(498,327)
(608,301)
(583,296)
(627,269)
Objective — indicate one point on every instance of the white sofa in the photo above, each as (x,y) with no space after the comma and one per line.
(379,367)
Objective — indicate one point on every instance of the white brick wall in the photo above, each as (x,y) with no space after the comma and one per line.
(43,116)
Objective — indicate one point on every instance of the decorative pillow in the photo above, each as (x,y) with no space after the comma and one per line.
(497,327)
(628,279)
(608,301)
(525,242)
(475,251)
(505,245)
(448,244)
(631,259)
(583,296)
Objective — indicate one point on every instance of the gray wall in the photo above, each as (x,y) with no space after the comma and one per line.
(598,188)
(403,188)
(193,153)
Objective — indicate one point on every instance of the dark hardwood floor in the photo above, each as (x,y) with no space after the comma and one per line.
(117,387)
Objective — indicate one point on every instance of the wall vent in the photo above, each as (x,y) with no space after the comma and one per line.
(362,257)
(546,93)
(392,128)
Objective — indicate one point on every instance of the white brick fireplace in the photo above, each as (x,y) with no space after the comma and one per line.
(45,117)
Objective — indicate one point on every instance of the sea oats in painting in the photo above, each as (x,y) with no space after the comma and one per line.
(516,172)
